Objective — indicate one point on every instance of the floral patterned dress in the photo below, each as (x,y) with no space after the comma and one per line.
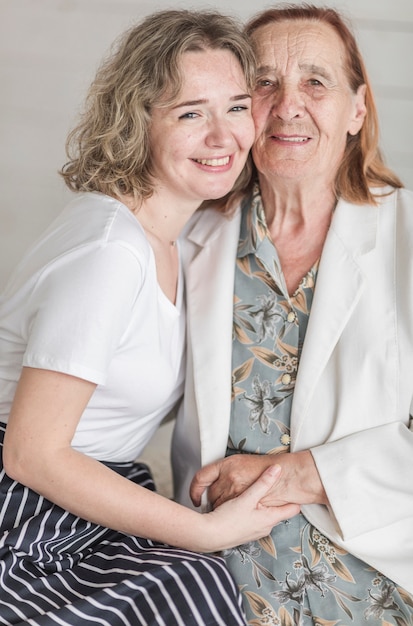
(295,576)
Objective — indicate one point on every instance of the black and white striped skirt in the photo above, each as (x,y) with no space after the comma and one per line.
(57,569)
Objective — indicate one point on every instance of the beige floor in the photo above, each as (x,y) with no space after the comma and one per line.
(157,456)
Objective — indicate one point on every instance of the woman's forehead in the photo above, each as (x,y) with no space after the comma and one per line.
(307,42)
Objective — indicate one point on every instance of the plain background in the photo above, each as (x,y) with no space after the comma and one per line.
(49,52)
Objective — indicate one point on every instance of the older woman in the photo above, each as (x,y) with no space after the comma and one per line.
(311,309)
(92,330)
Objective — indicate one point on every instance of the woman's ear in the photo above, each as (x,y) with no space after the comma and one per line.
(360,110)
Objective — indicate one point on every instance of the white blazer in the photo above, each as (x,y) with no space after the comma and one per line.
(353,394)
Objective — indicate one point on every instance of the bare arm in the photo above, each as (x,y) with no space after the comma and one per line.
(299,482)
(38,453)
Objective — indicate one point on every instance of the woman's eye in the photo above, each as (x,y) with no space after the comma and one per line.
(265,85)
(315,82)
(188,116)
(239,107)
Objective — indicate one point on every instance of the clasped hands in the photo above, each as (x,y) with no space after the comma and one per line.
(299,482)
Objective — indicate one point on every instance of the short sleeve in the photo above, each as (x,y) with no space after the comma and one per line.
(80,308)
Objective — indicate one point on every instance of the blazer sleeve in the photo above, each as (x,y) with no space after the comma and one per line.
(367,477)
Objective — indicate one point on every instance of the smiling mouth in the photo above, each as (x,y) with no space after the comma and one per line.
(213,162)
(291,139)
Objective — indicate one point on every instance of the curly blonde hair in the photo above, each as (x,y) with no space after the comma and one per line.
(109,150)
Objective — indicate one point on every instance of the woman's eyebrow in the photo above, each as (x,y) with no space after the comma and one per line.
(190,103)
(308,67)
(266,69)
(316,69)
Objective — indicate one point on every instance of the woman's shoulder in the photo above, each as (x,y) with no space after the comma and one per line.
(96,217)
(391,196)
(92,229)
(405,196)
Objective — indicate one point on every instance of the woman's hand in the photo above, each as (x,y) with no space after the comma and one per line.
(245,518)
(229,477)
(225,479)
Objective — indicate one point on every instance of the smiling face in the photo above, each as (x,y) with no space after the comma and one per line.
(303,106)
(199,144)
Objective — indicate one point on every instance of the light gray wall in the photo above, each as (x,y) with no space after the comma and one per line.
(49,51)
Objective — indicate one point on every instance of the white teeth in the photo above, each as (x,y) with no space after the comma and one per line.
(214,162)
(293,139)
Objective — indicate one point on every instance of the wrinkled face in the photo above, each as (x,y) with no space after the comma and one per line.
(303,106)
(200,144)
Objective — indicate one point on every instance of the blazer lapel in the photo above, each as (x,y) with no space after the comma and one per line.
(210,264)
(339,286)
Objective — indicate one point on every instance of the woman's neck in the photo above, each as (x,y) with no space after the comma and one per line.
(291,204)
(162,216)
(298,220)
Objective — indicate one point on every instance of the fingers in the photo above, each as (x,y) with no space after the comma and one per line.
(210,474)
(253,519)
(223,490)
(280,513)
(260,488)
(202,480)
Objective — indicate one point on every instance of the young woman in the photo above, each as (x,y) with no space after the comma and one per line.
(92,328)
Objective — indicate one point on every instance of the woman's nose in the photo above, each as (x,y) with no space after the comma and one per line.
(288,103)
(219,134)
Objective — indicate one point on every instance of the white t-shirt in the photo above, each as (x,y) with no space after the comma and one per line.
(85,301)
